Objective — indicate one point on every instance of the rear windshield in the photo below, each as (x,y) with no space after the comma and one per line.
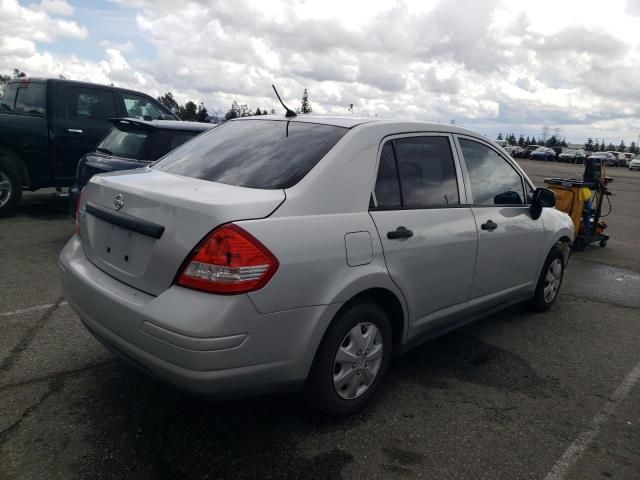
(267,154)
(125,144)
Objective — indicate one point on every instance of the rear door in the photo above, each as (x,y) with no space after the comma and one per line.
(509,240)
(82,114)
(428,233)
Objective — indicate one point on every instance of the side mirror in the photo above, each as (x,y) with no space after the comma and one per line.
(542,198)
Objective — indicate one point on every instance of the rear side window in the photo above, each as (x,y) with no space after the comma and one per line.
(424,169)
(493,180)
(163,141)
(79,103)
(24,97)
(268,154)
(123,143)
(141,107)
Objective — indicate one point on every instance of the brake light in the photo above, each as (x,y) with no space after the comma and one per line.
(228,261)
(78,212)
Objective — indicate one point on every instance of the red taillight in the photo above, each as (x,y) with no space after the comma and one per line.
(78,212)
(229,260)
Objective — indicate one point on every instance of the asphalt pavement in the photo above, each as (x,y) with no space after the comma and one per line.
(514,396)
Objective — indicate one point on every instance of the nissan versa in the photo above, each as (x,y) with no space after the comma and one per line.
(303,253)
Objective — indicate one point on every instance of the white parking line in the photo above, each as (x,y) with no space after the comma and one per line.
(579,446)
(30,309)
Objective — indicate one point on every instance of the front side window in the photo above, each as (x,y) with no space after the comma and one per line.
(417,172)
(142,108)
(79,103)
(493,180)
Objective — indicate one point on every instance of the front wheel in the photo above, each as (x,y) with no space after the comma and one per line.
(10,191)
(549,282)
(351,360)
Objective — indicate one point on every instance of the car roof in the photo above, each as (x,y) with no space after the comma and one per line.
(165,124)
(352,121)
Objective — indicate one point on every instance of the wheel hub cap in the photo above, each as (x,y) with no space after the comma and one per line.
(357,360)
(5,189)
(552,281)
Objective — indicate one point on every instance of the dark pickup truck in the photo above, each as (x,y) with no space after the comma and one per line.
(47,125)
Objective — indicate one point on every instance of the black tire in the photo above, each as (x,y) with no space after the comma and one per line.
(320,390)
(538,303)
(9,199)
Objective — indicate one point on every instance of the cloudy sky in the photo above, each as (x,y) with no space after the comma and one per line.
(490,65)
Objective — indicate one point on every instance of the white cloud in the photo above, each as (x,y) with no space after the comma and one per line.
(489,64)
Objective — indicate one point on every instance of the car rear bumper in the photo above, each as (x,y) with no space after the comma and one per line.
(207,344)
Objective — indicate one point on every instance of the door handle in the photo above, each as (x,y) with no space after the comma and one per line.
(74,130)
(400,232)
(490,225)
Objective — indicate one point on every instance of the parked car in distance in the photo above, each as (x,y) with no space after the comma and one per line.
(526,152)
(274,253)
(132,144)
(621,158)
(634,163)
(605,158)
(46,125)
(543,153)
(515,151)
(572,156)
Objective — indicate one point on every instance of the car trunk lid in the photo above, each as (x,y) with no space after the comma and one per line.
(140,226)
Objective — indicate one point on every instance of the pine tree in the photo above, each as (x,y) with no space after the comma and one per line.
(633,148)
(305,105)
(622,146)
(534,141)
(602,146)
(499,136)
(521,141)
(527,141)
(588,146)
(202,115)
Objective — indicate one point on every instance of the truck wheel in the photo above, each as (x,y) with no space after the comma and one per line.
(10,191)
(351,360)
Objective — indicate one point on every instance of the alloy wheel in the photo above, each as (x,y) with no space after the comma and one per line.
(5,189)
(552,280)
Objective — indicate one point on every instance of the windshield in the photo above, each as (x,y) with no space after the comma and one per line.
(122,143)
(268,154)
(541,149)
(570,152)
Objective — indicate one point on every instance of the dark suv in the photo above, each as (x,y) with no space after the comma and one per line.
(132,144)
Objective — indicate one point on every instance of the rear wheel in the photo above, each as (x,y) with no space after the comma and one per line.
(10,190)
(351,360)
(549,282)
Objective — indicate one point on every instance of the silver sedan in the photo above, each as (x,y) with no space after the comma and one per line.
(284,254)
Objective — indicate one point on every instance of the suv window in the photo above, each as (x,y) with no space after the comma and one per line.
(79,103)
(269,154)
(141,107)
(124,143)
(493,180)
(24,97)
(163,141)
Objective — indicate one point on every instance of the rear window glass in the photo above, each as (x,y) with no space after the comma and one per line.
(24,97)
(268,154)
(126,144)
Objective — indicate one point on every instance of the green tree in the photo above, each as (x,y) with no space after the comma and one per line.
(534,141)
(168,101)
(512,139)
(499,137)
(588,146)
(258,112)
(201,114)
(189,112)
(521,141)
(18,73)
(602,147)
(234,111)
(622,146)
(527,141)
(305,105)
(633,148)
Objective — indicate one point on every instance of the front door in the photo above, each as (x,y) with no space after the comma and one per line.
(509,240)
(428,236)
(80,123)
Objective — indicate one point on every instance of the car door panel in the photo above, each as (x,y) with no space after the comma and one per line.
(428,234)
(509,239)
